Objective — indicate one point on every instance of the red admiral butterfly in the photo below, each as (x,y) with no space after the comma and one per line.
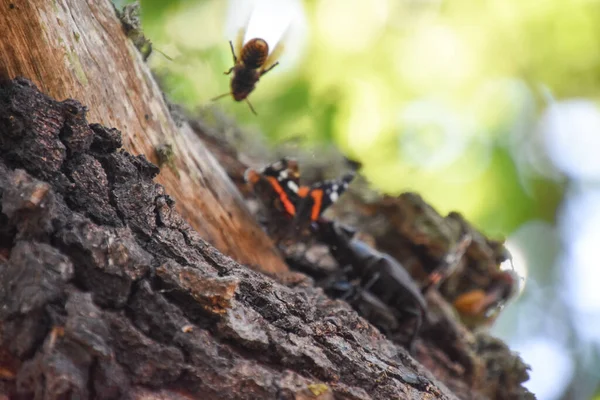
(314,200)
(278,186)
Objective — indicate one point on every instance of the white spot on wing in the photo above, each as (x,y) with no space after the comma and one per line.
(292,186)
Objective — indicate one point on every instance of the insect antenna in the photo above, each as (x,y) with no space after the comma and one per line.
(163,54)
(251,108)
(220,96)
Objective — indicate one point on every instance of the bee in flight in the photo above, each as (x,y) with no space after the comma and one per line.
(250,62)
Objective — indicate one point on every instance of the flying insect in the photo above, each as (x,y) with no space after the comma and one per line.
(251,61)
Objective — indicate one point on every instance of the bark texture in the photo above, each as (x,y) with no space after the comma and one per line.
(77,49)
(107,291)
(453,343)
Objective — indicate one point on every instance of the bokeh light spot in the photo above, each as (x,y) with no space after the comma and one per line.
(551,366)
(351,25)
(571,130)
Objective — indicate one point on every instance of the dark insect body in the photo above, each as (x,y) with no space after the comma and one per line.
(250,62)
(254,54)
(384,290)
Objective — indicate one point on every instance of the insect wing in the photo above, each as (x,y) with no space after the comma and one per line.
(306,204)
(320,196)
(268,193)
(282,178)
(284,170)
(284,174)
(277,51)
(239,41)
(241,34)
(334,189)
(328,192)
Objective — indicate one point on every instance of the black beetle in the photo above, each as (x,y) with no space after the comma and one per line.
(379,286)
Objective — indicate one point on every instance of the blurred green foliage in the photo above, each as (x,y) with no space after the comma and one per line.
(437,97)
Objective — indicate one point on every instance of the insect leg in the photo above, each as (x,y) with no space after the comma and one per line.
(251,108)
(234,58)
(359,289)
(351,293)
(341,289)
(270,68)
(371,281)
(411,341)
(220,96)
(233,52)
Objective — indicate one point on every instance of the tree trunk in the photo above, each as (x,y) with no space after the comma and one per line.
(106,291)
(77,49)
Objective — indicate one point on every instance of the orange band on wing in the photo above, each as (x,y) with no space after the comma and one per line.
(287,204)
(317,195)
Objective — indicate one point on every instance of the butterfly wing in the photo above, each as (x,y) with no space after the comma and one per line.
(332,190)
(285,179)
(284,170)
(277,185)
(320,196)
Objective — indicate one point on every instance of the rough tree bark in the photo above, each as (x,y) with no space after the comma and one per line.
(106,290)
(472,363)
(77,49)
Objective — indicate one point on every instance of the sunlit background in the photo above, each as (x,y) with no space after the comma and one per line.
(489,108)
